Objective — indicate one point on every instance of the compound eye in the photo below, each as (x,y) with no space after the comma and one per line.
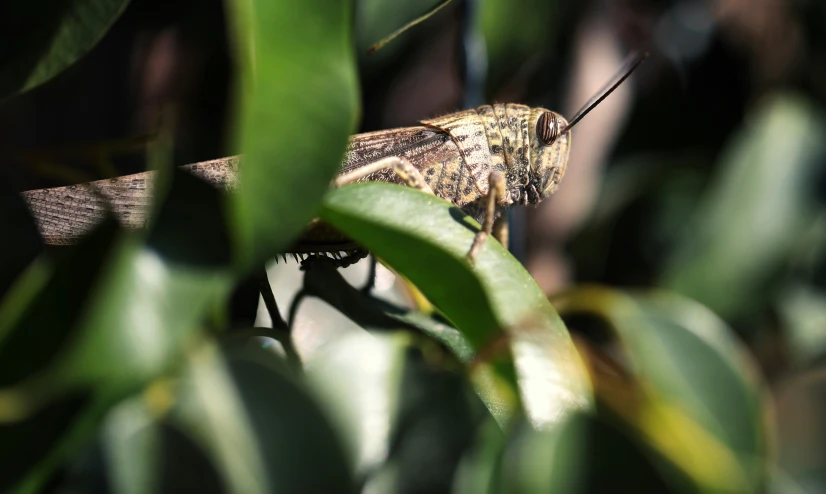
(547,128)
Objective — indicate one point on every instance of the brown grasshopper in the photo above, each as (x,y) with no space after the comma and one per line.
(481,160)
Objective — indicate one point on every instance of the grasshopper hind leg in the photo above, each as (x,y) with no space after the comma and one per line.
(405,170)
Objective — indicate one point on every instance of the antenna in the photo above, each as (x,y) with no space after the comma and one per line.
(628,67)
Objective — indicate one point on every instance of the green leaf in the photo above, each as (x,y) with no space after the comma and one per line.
(585,454)
(130,438)
(425,239)
(438,415)
(357,377)
(210,408)
(704,402)
(145,451)
(404,405)
(299,104)
(479,469)
(802,310)
(156,308)
(190,229)
(106,317)
(263,431)
(42,39)
(326,282)
(24,443)
(742,234)
(132,327)
(39,318)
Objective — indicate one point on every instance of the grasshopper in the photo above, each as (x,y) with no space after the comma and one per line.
(481,160)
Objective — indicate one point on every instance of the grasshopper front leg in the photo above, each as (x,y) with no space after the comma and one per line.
(496,194)
(412,177)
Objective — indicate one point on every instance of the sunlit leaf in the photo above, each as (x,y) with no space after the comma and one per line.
(403,403)
(695,397)
(326,282)
(585,454)
(299,104)
(496,298)
(106,317)
(358,378)
(293,436)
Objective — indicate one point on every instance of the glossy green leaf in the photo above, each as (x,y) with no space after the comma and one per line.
(105,316)
(704,400)
(210,408)
(584,455)
(189,229)
(130,437)
(156,308)
(802,309)
(39,318)
(263,431)
(438,415)
(39,41)
(325,281)
(144,313)
(357,378)
(108,283)
(403,403)
(493,298)
(145,451)
(479,470)
(298,106)
(746,226)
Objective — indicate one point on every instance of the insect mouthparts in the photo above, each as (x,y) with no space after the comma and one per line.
(526,194)
(533,193)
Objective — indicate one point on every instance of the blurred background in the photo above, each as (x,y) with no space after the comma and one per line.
(704,174)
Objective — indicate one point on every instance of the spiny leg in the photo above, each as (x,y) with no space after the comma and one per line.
(496,193)
(405,170)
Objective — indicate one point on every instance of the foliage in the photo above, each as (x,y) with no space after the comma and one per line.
(125,366)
